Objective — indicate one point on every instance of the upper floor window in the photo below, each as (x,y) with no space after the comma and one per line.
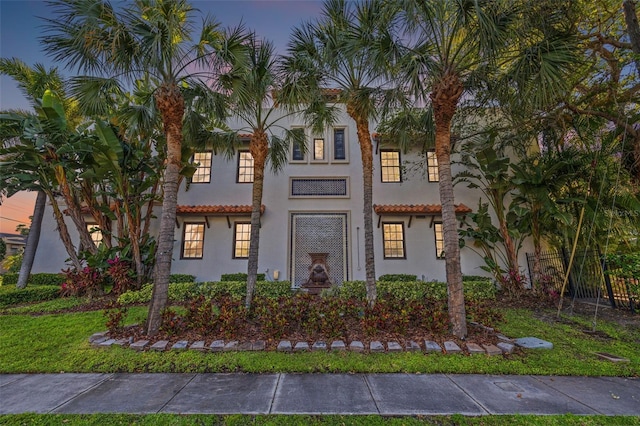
(339,145)
(245,167)
(393,240)
(437,226)
(96,233)
(193,241)
(203,172)
(241,239)
(432,167)
(390,166)
(296,153)
(318,149)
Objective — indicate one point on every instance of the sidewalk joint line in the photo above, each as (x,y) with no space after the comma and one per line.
(565,394)
(366,382)
(275,391)
(108,376)
(448,376)
(176,394)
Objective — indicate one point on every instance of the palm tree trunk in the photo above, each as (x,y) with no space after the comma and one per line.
(366,152)
(537,250)
(64,232)
(259,147)
(32,240)
(75,211)
(171,105)
(445,97)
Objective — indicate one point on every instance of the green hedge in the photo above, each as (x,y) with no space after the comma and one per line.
(476,278)
(417,290)
(398,277)
(14,296)
(211,290)
(42,278)
(181,278)
(239,276)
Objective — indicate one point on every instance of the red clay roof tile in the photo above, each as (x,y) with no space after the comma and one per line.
(217,210)
(422,209)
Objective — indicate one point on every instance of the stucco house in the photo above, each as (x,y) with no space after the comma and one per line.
(314,206)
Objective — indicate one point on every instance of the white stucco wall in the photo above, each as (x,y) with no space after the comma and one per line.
(275,242)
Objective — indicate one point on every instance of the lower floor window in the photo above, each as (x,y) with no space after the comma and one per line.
(393,240)
(439,240)
(193,241)
(96,233)
(241,239)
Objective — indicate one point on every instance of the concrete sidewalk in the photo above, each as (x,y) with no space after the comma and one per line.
(386,394)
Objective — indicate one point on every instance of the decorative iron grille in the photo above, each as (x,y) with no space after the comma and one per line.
(319,233)
(319,187)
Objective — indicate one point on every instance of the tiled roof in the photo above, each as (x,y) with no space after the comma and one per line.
(217,210)
(329,91)
(421,209)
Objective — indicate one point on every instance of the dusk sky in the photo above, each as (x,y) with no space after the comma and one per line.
(20,28)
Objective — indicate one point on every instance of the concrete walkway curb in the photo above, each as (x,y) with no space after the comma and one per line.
(385,394)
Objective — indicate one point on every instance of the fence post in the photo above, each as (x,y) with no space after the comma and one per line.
(607,279)
(565,263)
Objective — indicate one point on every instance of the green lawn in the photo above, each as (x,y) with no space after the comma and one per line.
(59,342)
(237,420)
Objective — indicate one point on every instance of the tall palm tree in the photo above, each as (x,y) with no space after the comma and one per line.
(121,45)
(253,105)
(458,43)
(33,82)
(350,48)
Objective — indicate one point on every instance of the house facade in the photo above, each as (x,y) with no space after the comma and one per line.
(313,206)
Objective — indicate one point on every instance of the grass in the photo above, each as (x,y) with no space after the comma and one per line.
(59,342)
(177,420)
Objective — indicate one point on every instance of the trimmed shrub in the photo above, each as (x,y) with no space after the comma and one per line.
(14,296)
(475,278)
(238,289)
(418,290)
(10,278)
(177,292)
(398,277)
(239,276)
(181,278)
(42,278)
(209,290)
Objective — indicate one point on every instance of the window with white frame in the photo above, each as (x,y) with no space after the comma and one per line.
(241,240)
(193,241)
(245,167)
(393,240)
(202,160)
(339,145)
(297,154)
(96,233)
(318,149)
(390,166)
(432,167)
(439,238)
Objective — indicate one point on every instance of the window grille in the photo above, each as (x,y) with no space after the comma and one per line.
(319,187)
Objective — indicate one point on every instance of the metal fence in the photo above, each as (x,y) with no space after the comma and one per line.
(589,278)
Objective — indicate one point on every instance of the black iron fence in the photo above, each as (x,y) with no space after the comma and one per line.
(589,278)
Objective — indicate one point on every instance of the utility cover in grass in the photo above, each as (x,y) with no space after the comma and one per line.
(533,343)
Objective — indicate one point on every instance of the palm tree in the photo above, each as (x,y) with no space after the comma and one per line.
(33,82)
(458,43)
(253,89)
(350,48)
(145,37)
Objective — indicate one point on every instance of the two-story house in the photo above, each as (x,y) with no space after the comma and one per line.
(314,206)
